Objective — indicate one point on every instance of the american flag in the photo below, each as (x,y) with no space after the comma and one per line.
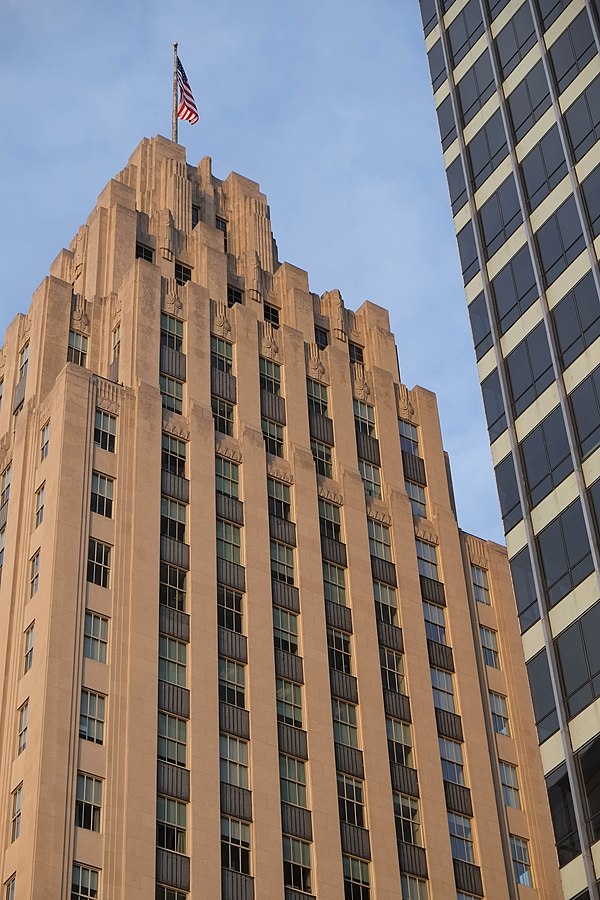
(187,105)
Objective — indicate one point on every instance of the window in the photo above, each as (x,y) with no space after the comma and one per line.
(435,624)
(475,87)
(510,784)
(399,741)
(500,216)
(409,437)
(98,566)
(77,348)
(546,456)
(289,702)
(529,369)
(550,10)
(171,332)
(11,886)
(296,864)
(579,673)
(95,637)
(437,66)
(171,392)
(229,540)
(357,884)
(508,493)
(356,353)
(235,845)
(5,479)
(515,40)
(280,499)
(560,240)
(371,478)
(221,354)
(339,650)
(392,670)
(428,15)
(427,559)
(105,431)
(23,360)
(233,760)
(345,723)
(227,477)
(15,817)
(543,168)
(273,435)
(172,519)
(565,553)
(271,314)
(351,802)
(317,397)
(229,609)
(329,520)
(520,858)
(171,824)
(489,647)
(461,837)
(232,681)
(92,716)
(285,630)
(270,376)
(222,415)
(88,804)
(172,589)
(182,273)
(85,882)
(494,405)
(572,51)
(542,695)
(282,562)
(292,780)
(321,337)
(34,573)
(234,295)
(587,760)
(481,588)
(457,187)
(380,540)
(145,253)
(499,709)
(451,756)
(2,543)
(413,888)
(590,189)
(582,119)
(45,438)
(560,798)
(443,690)
(172,739)
(364,418)
(173,455)
(39,505)
(487,149)
(172,660)
(22,727)
(116,342)
(514,289)
(28,652)
(416,495)
(102,495)
(577,320)
(465,31)
(446,123)
(386,603)
(529,101)
(586,412)
(334,583)
(406,816)
(524,588)
(221,225)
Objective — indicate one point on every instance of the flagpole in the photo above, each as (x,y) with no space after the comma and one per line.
(174,113)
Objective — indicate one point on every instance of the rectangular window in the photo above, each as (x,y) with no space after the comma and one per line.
(407,819)
(481,588)
(580,681)
(220,224)
(182,273)
(92,716)
(34,573)
(171,824)
(493,405)
(317,397)
(285,630)
(280,499)
(105,431)
(514,289)
(88,805)
(229,542)
(355,353)
(499,709)
(339,650)
(172,660)
(487,149)
(543,168)
(590,188)
(235,845)
(296,864)
(577,320)
(435,623)
(227,477)
(380,540)
(364,418)
(45,440)
(77,348)
(560,240)
(415,888)
(233,760)
(529,101)
(399,741)
(289,702)
(172,519)
(321,337)
(222,415)
(142,252)
(446,123)
(173,455)
(172,739)
(171,392)
(386,603)
(585,402)
(230,610)
(443,690)
(565,553)
(172,588)
(515,40)
(519,852)
(500,216)
(416,495)
(582,119)
(234,295)
(270,376)
(271,314)
(39,505)
(357,883)
(102,495)
(221,354)
(451,756)
(282,562)
(23,361)
(510,784)
(334,583)
(292,780)
(467,251)
(98,565)
(329,520)
(461,837)
(345,722)
(476,87)
(572,51)
(95,637)
(85,882)
(427,560)
(392,670)
(409,437)
(232,683)
(15,815)
(171,332)
(273,436)
(28,648)
(489,647)
(22,727)
(465,31)
(351,800)
(10,888)
(323,457)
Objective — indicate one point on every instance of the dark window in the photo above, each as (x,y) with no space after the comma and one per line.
(500,216)
(494,406)
(563,814)
(195,215)
(446,123)
(321,337)
(525,594)
(437,67)
(529,101)
(476,87)
(583,120)
(456,185)
(182,273)
(529,369)
(585,402)
(465,30)
(468,252)
(515,40)
(565,553)
(221,225)
(428,15)
(496,7)
(589,767)
(480,326)
(578,650)
(543,168)
(487,149)
(544,704)
(590,189)
(560,240)
(572,51)
(142,252)
(514,289)
(234,295)
(577,320)
(594,495)
(551,10)
(271,314)
(356,353)
(508,493)
(546,456)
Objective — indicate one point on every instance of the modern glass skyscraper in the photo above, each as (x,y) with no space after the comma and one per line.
(517,94)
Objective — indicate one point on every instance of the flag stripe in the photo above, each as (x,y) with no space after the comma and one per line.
(187,109)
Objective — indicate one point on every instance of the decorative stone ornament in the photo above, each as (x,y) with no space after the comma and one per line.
(332,496)
(79,317)
(269,345)
(425,534)
(315,366)
(255,291)
(170,301)
(361,387)
(166,234)
(405,407)
(221,324)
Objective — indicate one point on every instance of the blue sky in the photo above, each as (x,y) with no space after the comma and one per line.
(326,104)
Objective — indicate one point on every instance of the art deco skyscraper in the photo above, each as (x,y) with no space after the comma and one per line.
(246,650)
(517,93)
